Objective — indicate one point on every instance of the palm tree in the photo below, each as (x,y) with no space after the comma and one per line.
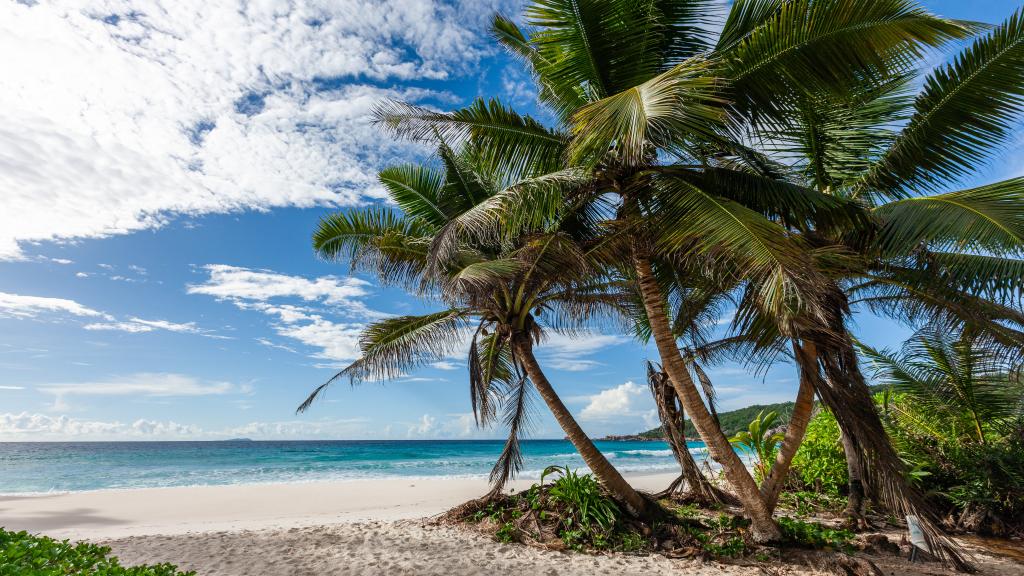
(654,111)
(969,392)
(507,295)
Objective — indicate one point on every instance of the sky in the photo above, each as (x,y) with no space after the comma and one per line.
(163,164)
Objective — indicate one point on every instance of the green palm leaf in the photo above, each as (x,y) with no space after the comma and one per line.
(677,104)
(417,191)
(965,113)
(988,218)
(739,238)
(394,346)
(376,239)
(822,45)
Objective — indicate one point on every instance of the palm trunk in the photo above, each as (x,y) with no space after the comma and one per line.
(595,460)
(763,527)
(691,486)
(772,485)
(845,392)
(856,475)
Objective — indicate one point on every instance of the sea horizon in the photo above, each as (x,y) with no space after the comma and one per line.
(59,467)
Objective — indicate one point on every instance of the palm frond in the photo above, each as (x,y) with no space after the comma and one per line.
(965,113)
(491,374)
(987,219)
(517,407)
(416,189)
(394,346)
(376,239)
(680,103)
(822,45)
(753,247)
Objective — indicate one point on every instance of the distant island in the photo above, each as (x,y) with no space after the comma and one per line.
(732,422)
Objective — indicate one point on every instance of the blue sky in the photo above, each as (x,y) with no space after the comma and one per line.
(162,166)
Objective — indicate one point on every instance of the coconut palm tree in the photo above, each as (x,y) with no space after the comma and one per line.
(656,112)
(505,296)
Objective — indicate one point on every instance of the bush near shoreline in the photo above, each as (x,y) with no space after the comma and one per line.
(26,554)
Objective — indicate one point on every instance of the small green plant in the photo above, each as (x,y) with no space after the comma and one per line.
(759,440)
(507,533)
(720,537)
(805,503)
(24,553)
(814,535)
(585,503)
(632,542)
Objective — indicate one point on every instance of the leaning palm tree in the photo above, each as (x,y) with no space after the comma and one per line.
(948,258)
(504,296)
(646,103)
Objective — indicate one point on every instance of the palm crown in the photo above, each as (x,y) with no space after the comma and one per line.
(659,140)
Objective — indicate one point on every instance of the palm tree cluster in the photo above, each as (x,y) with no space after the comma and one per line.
(782,167)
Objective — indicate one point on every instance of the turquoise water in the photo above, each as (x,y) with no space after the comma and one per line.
(27,467)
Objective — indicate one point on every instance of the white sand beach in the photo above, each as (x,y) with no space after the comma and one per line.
(345,527)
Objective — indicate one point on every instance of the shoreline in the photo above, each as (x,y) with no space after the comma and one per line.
(124,512)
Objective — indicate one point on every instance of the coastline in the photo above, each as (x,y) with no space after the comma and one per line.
(117,513)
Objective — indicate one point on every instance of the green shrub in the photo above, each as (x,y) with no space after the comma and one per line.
(586,504)
(820,462)
(814,535)
(23,553)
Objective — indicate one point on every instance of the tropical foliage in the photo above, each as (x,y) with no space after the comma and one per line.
(24,553)
(761,439)
(820,463)
(781,168)
(956,413)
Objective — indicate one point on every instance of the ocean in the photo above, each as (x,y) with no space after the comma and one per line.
(47,467)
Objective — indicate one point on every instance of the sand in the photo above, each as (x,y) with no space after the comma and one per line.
(351,527)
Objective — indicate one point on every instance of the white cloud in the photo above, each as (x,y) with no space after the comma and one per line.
(28,426)
(138,325)
(28,307)
(12,387)
(81,275)
(423,427)
(337,341)
(19,306)
(567,353)
(138,385)
(250,289)
(206,107)
(625,400)
(445,365)
(61,261)
(236,283)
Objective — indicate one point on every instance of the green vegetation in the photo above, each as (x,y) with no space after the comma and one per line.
(814,535)
(760,440)
(733,421)
(24,553)
(820,463)
(955,412)
(575,510)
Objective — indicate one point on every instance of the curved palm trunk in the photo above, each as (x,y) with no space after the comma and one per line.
(772,485)
(692,485)
(845,392)
(763,527)
(599,465)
